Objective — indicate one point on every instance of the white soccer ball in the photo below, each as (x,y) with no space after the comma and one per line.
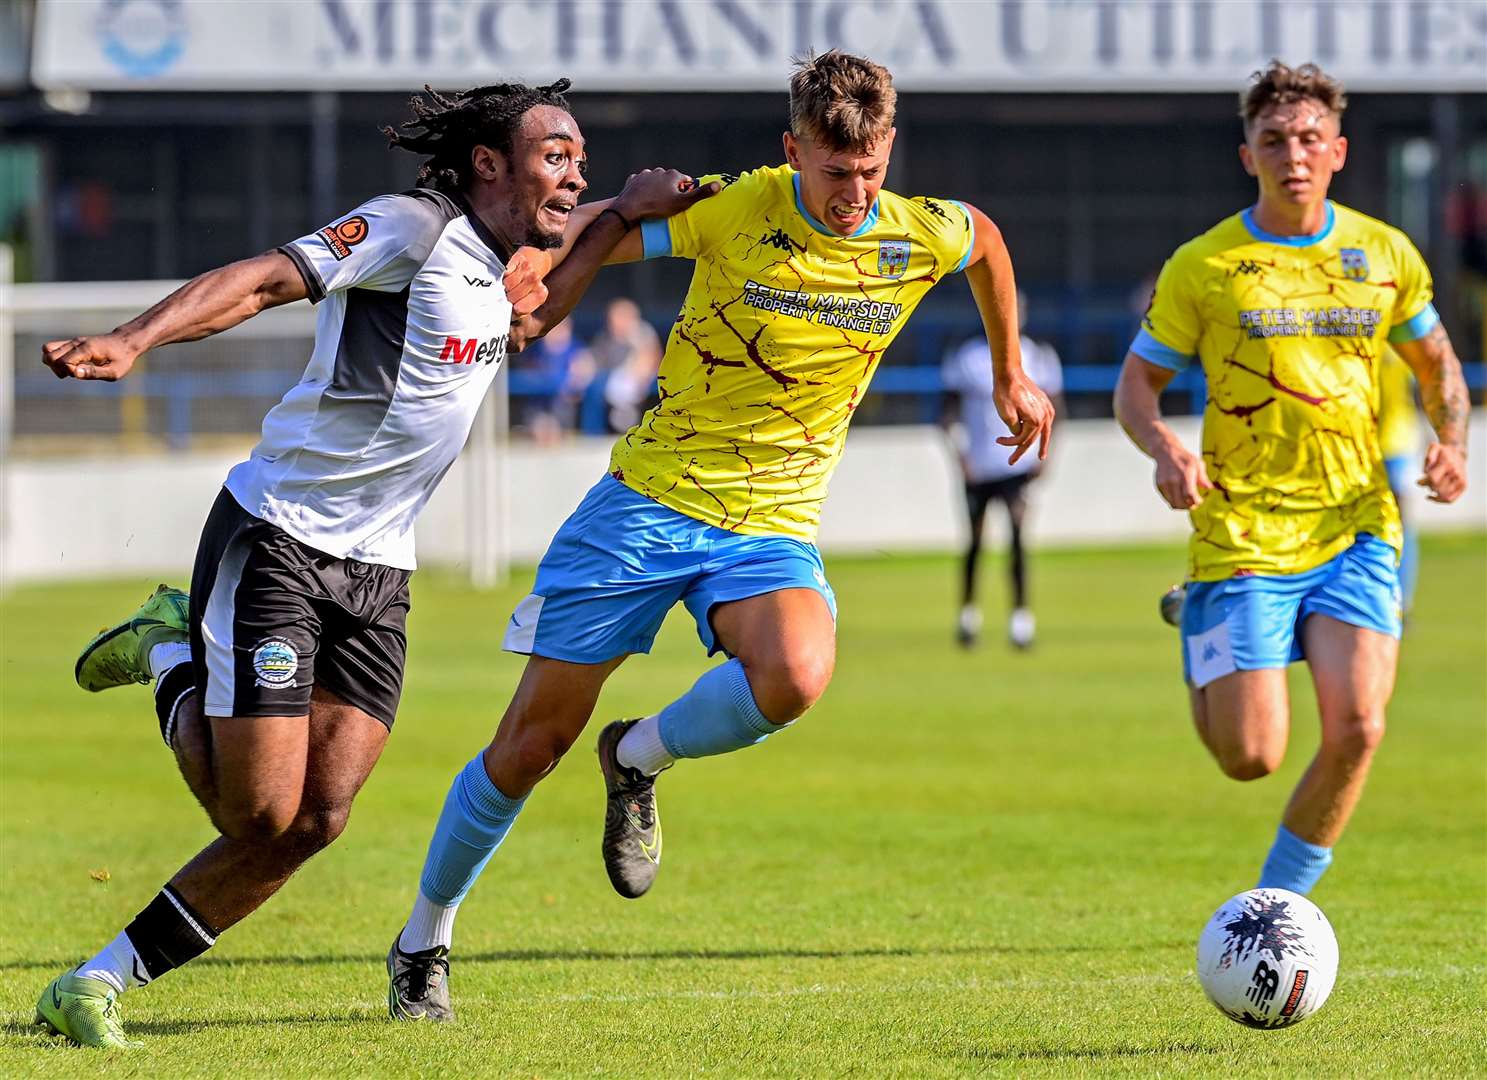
(1268,958)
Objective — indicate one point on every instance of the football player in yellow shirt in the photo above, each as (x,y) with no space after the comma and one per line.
(1294,555)
(804,273)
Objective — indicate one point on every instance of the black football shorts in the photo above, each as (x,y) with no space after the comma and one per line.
(271,619)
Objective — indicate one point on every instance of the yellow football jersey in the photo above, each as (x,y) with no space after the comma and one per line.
(1399,424)
(1290,331)
(781,330)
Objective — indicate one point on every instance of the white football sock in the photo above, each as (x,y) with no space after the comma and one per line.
(430,925)
(641,747)
(118,965)
(167,655)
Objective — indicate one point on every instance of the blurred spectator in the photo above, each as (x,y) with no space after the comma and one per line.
(556,372)
(971,416)
(627,354)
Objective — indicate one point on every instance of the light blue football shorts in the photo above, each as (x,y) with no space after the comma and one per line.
(1254,621)
(622,560)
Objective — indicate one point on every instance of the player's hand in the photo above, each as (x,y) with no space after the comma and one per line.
(660,193)
(523,331)
(108,357)
(523,280)
(1182,478)
(1445,472)
(1028,414)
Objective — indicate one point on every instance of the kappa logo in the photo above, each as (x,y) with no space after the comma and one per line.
(1354,263)
(781,240)
(935,208)
(478,282)
(473,350)
(893,258)
(275,662)
(340,239)
(1247,266)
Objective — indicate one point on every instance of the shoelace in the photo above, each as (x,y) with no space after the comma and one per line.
(421,975)
(636,793)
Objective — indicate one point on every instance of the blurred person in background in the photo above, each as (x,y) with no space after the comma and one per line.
(1399,442)
(627,353)
(562,367)
(1287,305)
(974,426)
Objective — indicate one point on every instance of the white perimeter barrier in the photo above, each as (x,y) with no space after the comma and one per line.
(895,490)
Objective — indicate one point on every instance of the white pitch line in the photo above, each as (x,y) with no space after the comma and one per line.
(960,985)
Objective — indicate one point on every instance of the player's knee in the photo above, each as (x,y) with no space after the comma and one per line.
(256,822)
(1250,762)
(527,755)
(785,687)
(1355,736)
(315,830)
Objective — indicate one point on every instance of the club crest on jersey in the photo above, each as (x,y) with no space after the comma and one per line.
(275,663)
(1354,263)
(893,258)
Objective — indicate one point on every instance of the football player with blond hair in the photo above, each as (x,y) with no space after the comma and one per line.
(804,274)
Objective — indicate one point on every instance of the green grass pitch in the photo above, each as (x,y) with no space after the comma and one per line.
(958,863)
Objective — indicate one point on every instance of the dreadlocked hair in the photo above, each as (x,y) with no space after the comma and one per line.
(447,127)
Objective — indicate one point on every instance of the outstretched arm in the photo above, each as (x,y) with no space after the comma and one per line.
(1447,405)
(1025,408)
(1181,476)
(205,305)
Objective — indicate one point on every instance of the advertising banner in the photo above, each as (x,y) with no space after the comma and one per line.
(709,45)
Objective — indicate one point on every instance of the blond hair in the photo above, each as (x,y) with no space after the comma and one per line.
(1279,84)
(840,101)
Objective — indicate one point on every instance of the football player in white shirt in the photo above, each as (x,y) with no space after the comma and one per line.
(278,679)
(980,438)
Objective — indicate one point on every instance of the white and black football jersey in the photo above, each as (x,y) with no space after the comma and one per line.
(412,327)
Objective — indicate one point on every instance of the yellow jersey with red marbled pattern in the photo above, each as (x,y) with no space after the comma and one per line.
(780,332)
(1290,332)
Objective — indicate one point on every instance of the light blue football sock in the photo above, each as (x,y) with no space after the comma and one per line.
(475,819)
(1293,863)
(716,716)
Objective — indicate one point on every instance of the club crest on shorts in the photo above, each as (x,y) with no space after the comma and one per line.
(275,663)
(1354,263)
(893,258)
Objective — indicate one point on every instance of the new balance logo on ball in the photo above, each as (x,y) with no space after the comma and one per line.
(473,350)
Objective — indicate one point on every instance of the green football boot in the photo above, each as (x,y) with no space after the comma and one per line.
(84,1010)
(121,654)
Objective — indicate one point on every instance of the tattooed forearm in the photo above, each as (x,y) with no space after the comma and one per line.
(1442,386)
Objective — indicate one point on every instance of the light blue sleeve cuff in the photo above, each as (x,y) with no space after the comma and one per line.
(656,235)
(1154,352)
(971,244)
(1416,328)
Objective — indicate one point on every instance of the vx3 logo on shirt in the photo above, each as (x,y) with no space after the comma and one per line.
(479,283)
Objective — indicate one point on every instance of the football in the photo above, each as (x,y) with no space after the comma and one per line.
(1267,958)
